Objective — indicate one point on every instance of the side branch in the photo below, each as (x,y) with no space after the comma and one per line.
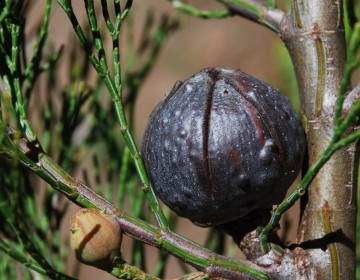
(257,12)
(190,252)
(351,98)
(250,9)
(191,10)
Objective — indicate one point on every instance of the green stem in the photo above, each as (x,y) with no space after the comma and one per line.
(347,140)
(124,13)
(98,42)
(20,257)
(116,95)
(106,16)
(67,7)
(294,196)
(149,193)
(4,14)
(299,191)
(16,89)
(352,115)
(32,70)
(116,53)
(191,10)
(350,65)
(266,15)
(271,3)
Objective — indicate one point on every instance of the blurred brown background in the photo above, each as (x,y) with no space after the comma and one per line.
(229,43)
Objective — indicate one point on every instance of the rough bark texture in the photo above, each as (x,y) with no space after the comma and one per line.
(314,35)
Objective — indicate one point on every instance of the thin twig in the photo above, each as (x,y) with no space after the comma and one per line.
(261,13)
(191,10)
(256,11)
(350,65)
(350,99)
(115,91)
(28,262)
(32,70)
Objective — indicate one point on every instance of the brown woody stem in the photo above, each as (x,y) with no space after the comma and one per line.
(314,35)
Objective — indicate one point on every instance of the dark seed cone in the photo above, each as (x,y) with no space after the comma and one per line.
(221,145)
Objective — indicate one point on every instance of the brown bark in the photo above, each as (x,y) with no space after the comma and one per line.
(314,35)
